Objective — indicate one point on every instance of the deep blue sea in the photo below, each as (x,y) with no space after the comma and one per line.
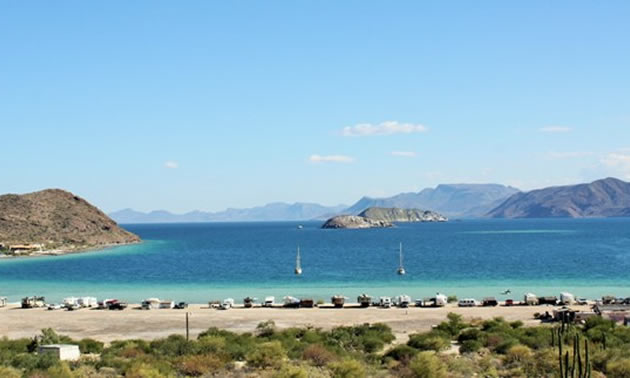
(211,261)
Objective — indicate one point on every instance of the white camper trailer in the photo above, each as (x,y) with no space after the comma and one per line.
(151,304)
(567,298)
(269,301)
(530,299)
(385,302)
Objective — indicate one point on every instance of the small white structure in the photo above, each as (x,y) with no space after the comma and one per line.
(269,302)
(468,302)
(385,302)
(3,301)
(567,298)
(440,300)
(403,301)
(151,304)
(167,305)
(65,352)
(227,303)
(88,302)
(530,299)
(71,301)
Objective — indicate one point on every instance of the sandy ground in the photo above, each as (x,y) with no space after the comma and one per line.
(133,323)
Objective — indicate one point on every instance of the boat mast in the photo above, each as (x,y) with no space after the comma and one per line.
(401,269)
(298,265)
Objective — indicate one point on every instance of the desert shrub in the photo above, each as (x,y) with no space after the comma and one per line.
(470,346)
(9,372)
(363,338)
(318,355)
(470,334)
(533,337)
(90,346)
(210,344)
(60,370)
(31,362)
(143,370)
(433,340)
(172,346)
(451,299)
(347,369)
(453,326)
(618,368)
(427,365)
(401,353)
(518,354)
(266,329)
(291,371)
(268,354)
(237,346)
(196,365)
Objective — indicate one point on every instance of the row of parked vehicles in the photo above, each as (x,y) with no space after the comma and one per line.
(74,303)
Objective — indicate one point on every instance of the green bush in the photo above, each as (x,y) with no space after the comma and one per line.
(470,346)
(433,340)
(9,372)
(427,365)
(451,299)
(618,368)
(453,326)
(268,354)
(401,353)
(90,346)
(197,365)
(290,371)
(347,369)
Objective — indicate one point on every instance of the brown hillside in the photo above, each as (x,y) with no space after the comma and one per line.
(54,216)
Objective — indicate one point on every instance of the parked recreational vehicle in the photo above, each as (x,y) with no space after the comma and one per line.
(167,305)
(32,302)
(227,304)
(567,298)
(530,299)
(440,300)
(489,301)
(467,302)
(269,302)
(151,304)
(290,302)
(87,302)
(338,300)
(249,302)
(385,302)
(3,301)
(403,301)
(364,300)
(307,303)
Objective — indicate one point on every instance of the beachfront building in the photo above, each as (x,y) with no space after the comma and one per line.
(64,352)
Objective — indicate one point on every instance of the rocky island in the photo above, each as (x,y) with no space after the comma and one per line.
(55,221)
(379,217)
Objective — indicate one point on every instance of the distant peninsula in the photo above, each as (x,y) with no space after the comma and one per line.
(55,221)
(380,217)
(609,197)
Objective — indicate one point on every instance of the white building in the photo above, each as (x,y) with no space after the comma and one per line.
(65,352)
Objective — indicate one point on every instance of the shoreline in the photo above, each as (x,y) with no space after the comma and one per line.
(69,251)
(133,323)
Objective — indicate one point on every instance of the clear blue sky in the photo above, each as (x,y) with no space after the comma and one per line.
(207,105)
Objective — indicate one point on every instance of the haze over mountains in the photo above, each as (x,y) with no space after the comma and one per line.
(609,197)
(271,212)
(456,200)
(452,200)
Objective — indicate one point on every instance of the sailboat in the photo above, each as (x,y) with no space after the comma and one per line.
(298,265)
(401,269)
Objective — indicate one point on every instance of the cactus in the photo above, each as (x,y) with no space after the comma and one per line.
(575,353)
(560,351)
(579,356)
(566,365)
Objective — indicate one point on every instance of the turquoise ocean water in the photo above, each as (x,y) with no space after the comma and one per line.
(212,261)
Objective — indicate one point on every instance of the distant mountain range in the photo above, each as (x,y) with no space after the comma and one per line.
(271,212)
(452,200)
(602,198)
(456,200)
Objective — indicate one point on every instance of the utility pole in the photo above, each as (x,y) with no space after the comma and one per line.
(187,329)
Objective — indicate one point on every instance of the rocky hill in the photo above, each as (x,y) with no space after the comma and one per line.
(355,221)
(603,198)
(452,200)
(402,215)
(57,219)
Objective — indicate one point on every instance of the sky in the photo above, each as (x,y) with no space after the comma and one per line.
(208,105)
